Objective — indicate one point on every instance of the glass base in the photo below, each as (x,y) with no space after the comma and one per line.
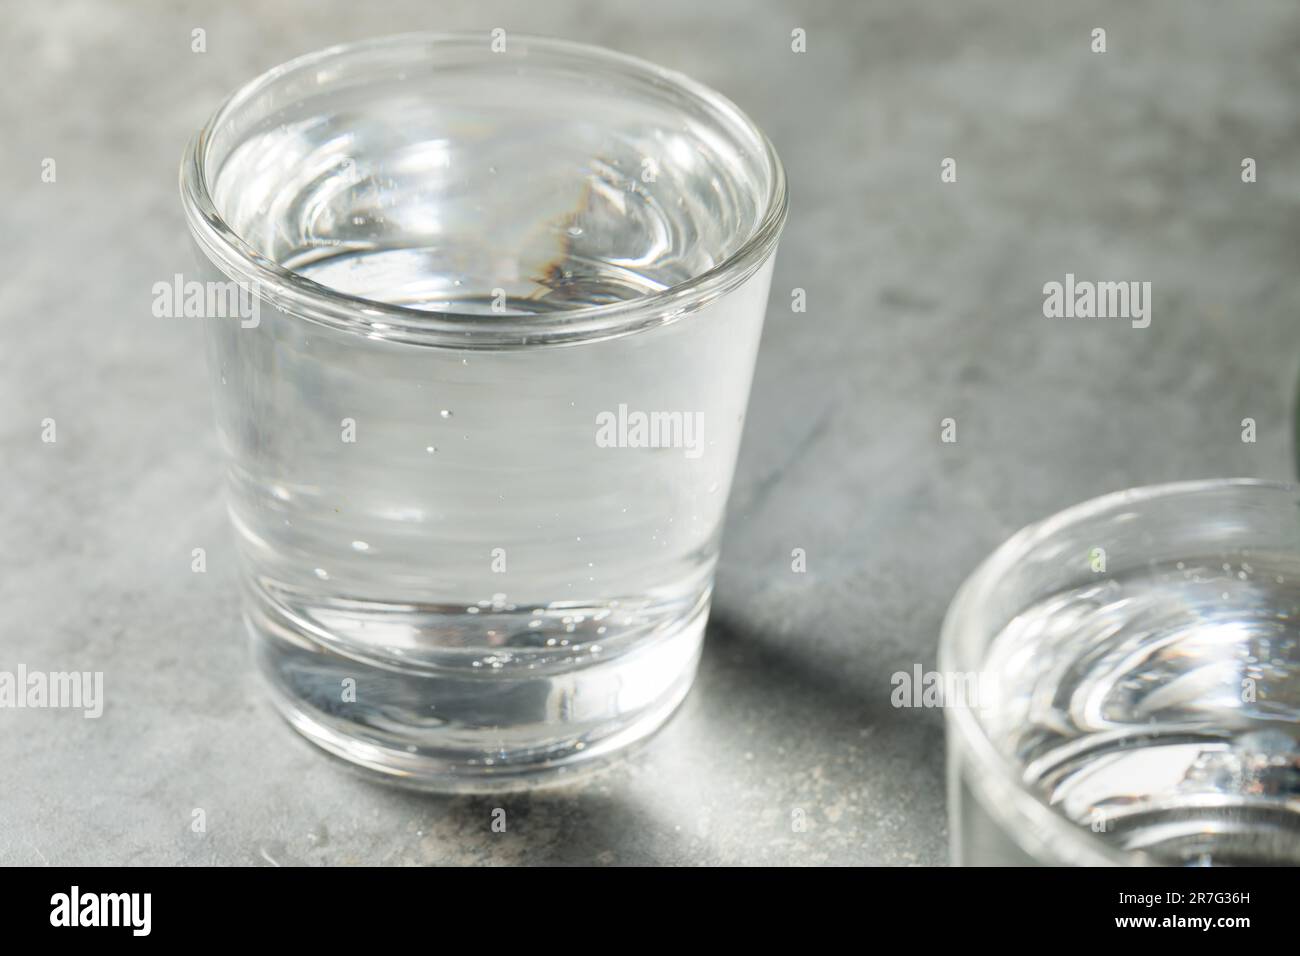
(461,726)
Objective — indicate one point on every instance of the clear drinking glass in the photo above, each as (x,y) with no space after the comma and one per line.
(482,431)
(1144,655)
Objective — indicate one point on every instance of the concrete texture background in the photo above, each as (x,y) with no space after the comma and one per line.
(924,302)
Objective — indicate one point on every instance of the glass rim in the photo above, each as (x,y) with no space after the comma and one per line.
(301,296)
(1069,842)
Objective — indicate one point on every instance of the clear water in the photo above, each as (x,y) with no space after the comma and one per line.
(433,201)
(1162,709)
(501,589)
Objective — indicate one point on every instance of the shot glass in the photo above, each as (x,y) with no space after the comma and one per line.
(482,427)
(1144,654)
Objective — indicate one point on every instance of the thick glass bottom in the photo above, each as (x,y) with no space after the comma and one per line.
(475,721)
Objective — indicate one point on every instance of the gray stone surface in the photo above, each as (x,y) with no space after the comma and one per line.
(924,302)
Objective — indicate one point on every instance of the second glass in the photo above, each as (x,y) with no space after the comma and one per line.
(1137,659)
(482,428)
